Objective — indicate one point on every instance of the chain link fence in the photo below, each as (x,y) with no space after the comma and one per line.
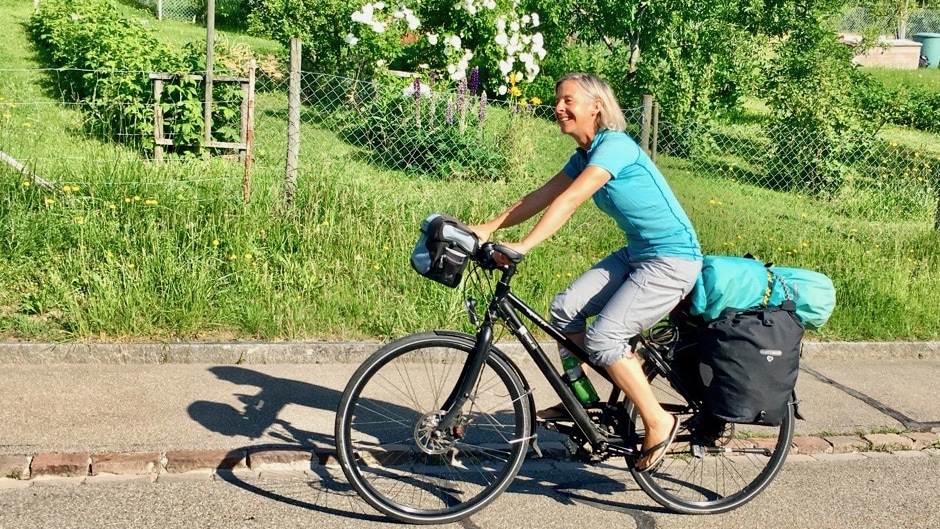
(439,130)
(857,19)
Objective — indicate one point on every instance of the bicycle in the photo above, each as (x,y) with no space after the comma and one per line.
(434,426)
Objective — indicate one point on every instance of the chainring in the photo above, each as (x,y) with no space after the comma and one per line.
(583,450)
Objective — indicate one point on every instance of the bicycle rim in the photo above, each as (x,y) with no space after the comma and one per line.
(725,473)
(386,440)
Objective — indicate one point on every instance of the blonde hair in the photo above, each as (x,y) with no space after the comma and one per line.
(610,117)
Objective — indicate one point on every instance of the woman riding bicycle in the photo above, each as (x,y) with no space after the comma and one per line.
(635,286)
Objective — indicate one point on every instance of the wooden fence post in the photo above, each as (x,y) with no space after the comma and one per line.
(646,117)
(249,126)
(157,120)
(655,139)
(293,123)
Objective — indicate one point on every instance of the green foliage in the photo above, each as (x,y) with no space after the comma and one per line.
(440,134)
(106,61)
(901,103)
(323,26)
(816,128)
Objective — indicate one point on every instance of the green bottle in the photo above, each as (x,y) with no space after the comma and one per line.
(578,381)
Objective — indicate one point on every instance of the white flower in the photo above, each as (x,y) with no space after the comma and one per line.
(506,66)
(379,5)
(432,39)
(535,20)
(454,41)
(423,90)
(502,39)
(514,26)
(351,39)
(502,90)
(413,22)
(380,63)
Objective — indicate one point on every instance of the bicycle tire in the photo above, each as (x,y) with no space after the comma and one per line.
(725,478)
(383,439)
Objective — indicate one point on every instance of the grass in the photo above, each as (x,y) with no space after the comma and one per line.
(125,250)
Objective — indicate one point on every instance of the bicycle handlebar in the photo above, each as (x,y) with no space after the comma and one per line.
(488,250)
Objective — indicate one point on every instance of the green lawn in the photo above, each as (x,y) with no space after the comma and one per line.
(128,250)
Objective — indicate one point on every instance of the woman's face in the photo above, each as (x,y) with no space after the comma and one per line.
(576,112)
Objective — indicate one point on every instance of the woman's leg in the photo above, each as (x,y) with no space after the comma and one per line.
(628,374)
(653,289)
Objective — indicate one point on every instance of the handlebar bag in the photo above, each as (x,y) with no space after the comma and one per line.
(754,358)
(443,249)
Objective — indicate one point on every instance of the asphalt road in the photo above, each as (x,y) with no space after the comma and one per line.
(870,491)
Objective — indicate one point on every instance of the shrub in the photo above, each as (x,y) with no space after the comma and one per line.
(107,59)
(440,134)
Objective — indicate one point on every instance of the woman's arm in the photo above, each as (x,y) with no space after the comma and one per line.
(563,206)
(526,207)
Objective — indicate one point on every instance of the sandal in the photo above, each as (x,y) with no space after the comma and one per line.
(663,447)
(558,412)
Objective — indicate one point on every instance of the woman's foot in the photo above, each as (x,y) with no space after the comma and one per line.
(655,451)
(553,413)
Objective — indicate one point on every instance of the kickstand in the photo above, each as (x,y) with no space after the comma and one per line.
(535,446)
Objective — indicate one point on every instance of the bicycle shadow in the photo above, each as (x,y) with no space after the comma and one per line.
(262,409)
(321,486)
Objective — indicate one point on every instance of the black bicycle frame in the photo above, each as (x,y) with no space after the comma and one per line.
(504,306)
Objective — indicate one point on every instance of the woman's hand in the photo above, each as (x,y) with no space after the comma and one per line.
(482,231)
(501,259)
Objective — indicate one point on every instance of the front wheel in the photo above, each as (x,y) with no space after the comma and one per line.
(395,453)
(713,467)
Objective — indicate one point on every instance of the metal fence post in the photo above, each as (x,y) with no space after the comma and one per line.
(293,123)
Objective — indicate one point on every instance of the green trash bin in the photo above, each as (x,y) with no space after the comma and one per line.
(930,47)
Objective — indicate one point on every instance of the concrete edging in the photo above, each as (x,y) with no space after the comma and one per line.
(159,465)
(354,352)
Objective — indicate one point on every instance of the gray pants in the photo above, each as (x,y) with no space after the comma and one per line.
(627,297)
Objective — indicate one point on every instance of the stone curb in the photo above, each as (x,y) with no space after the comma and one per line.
(355,352)
(199,464)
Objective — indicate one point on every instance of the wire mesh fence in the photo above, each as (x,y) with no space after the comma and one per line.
(918,20)
(441,130)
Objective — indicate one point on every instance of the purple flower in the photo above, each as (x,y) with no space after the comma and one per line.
(461,93)
(482,115)
(449,114)
(474,80)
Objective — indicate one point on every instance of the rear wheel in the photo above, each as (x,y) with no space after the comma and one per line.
(713,467)
(395,454)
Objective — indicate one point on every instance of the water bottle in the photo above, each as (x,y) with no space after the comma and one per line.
(578,381)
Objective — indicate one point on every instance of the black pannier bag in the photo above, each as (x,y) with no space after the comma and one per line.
(444,247)
(754,359)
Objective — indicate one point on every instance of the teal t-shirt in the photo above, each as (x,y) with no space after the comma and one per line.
(638,198)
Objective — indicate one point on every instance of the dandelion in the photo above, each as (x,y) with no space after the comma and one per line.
(151,202)
(6,115)
(25,183)
(126,200)
(27,124)
(248,257)
(232,257)
(536,101)
(136,198)
(50,201)
(215,242)
(376,267)
(78,220)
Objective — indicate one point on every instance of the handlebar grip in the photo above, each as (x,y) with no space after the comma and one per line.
(513,255)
